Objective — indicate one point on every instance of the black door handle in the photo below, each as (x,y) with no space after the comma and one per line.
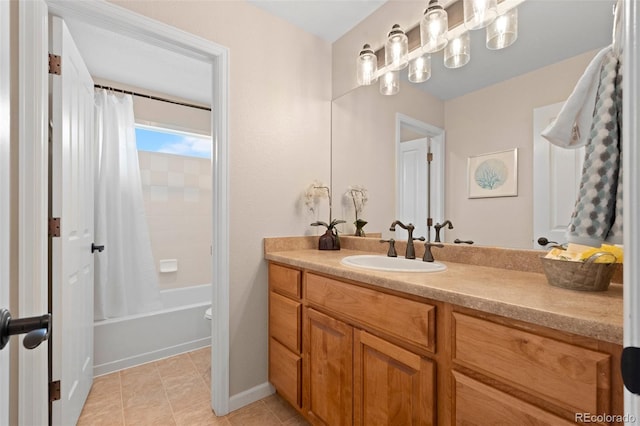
(36,328)
(630,368)
(95,248)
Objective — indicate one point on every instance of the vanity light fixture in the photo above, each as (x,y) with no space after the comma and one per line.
(458,51)
(396,50)
(367,66)
(500,20)
(503,31)
(479,13)
(390,83)
(433,28)
(420,68)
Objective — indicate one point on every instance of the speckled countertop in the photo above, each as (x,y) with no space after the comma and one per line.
(510,293)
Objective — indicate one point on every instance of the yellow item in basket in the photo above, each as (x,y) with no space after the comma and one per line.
(580,253)
(605,248)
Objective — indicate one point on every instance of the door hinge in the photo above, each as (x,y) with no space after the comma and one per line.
(54,391)
(55,64)
(429,157)
(54,227)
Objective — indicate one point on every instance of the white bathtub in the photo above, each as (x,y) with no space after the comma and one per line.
(179,327)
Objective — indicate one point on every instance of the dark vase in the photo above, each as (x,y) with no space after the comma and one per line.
(359,223)
(329,241)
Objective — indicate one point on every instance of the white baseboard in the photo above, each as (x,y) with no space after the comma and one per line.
(254,394)
(121,364)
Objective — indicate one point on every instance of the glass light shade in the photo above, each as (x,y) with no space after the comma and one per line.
(420,69)
(479,13)
(433,28)
(396,49)
(390,83)
(367,66)
(503,31)
(458,51)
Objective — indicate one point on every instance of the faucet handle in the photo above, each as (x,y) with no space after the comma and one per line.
(428,256)
(392,247)
(418,239)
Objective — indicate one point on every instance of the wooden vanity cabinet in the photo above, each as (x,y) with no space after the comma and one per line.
(392,386)
(353,375)
(285,332)
(328,355)
(348,354)
(529,374)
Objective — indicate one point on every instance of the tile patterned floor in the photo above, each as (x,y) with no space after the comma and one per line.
(174,391)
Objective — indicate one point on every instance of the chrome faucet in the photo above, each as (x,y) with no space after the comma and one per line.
(439,226)
(411,250)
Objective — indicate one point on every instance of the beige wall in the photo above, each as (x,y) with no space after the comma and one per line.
(177,201)
(364,148)
(279,117)
(498,118)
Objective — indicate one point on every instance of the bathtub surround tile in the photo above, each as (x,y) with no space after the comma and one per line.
(159,193)
(174,391)
(176,180)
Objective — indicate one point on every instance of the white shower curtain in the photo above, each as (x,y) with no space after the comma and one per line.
(126,281)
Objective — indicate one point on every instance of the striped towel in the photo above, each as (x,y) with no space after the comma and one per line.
(597,216)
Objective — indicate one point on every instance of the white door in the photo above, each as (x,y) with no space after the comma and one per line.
(4,200)
(412,184)
(72,179)
(556,180)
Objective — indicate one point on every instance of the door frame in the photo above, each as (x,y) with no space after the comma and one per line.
(5,189)
(437,136)
(33,152)
(631,174)
(113,17)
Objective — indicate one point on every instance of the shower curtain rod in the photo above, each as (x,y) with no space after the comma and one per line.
(155,98)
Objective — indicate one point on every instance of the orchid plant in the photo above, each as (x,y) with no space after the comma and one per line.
(359,197)
(314,193)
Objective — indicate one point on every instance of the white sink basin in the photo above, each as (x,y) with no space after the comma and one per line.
(391,264)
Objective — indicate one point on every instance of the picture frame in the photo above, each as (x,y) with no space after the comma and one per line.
(493,174)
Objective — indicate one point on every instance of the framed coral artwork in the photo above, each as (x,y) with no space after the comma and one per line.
(493,175)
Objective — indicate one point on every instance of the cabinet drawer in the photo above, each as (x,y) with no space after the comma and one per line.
(405,319)
(479,404)
(285,372)
(569,376)
(284,321)
(284,280)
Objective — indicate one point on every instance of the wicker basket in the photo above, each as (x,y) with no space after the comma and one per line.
(584,276)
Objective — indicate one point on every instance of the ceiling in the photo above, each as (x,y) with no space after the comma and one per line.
(328,19)
(549,31)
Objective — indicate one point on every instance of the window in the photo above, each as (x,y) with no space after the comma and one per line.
(156,139)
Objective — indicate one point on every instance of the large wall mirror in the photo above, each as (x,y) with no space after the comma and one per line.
(485,107)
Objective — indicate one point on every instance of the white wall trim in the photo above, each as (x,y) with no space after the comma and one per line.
(5,196)
(437,136)
(631,190)
(249,396)
(113,17)
(33,204)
